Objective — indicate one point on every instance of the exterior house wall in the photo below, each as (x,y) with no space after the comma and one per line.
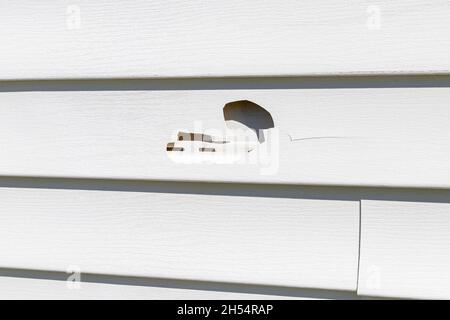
(329,177)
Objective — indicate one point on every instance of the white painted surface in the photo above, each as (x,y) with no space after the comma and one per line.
(385,135)
(310,243)
(112,39)
(394,136)
(405,249)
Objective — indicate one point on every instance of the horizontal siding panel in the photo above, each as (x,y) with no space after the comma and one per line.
(287,237)
(53,39)
(43,289)
(405,248)
(331,133)
(32,284)
(14,288)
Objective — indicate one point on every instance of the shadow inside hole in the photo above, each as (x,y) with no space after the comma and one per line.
(250,115)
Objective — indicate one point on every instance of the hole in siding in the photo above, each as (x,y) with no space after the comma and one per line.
(246,124)
(245,113)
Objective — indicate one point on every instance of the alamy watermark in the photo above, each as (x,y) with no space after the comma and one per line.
(73,281)
(373,21)
(237,146)
(73,17)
